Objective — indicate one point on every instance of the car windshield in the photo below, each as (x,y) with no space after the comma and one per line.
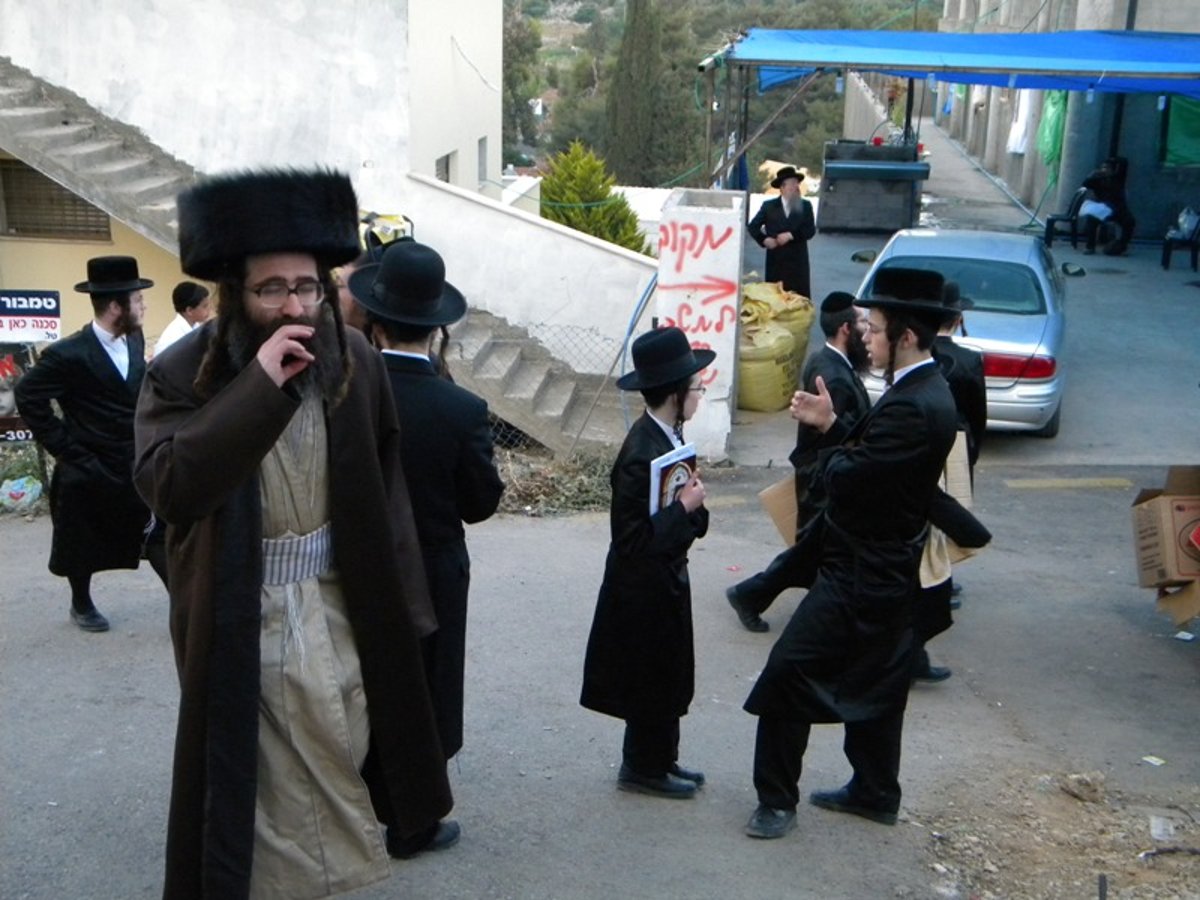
(992,286)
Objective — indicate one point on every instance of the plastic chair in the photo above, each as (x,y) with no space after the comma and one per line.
(1069,220)
(1186,233)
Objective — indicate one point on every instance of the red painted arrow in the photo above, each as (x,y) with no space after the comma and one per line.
(715,288)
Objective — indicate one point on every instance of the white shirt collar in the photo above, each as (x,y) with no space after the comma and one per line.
(900,373)
(406,353)
(839,353)
(667,429)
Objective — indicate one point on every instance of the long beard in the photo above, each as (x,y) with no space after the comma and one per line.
(325,375)
(124,324)
(856,352)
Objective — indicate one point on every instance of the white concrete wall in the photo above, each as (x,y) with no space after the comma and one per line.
(372,87)
(456,59)
(572,291)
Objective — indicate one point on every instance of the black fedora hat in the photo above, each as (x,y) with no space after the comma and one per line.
(909,290)
(661,357)
(953,301)
(785,173)
(408,286)
(112,275)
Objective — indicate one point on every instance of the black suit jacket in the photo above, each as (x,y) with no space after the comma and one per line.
(788,263)
(845,655)
(446,449)
(962,368)
(98,515)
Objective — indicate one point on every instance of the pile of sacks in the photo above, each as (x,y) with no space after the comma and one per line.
(772,345)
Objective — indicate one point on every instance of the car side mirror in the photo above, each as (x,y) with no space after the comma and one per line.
(863,256)
(1073,270)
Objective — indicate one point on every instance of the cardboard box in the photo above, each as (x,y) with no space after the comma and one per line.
(1181,604)
(1164,522)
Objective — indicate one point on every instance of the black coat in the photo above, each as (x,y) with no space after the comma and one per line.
(640,660)
(850,402)
(446,450)
(962,368)
(845,655)
(788,263)
(99,519)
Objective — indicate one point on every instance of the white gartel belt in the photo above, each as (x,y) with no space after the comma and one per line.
(293,559)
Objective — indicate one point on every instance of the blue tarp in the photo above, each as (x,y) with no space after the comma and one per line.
(1110,61)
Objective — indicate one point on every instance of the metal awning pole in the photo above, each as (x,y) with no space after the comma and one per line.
(723,167)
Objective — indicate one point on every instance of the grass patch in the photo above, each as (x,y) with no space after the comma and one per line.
(538,484)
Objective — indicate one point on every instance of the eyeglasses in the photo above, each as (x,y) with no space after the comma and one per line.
(701,389)
(274,294)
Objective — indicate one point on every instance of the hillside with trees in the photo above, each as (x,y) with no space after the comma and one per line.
(620,77)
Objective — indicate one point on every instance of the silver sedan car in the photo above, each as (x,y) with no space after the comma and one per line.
(1017,320)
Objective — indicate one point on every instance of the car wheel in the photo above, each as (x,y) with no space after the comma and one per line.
(1050,429)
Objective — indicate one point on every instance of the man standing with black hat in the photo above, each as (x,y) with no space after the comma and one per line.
(94,375)
(838,363)
(268,443)
(784,225)
(446,447)
(846,654)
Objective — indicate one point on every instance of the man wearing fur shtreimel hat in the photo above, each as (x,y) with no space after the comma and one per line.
(268,443)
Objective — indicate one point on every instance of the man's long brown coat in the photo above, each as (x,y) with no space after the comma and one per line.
(197,466)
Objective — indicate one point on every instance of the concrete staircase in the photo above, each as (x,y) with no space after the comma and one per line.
(111,165)
(530,389)
(119,170)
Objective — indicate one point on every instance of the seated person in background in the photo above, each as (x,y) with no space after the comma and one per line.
(1106,202)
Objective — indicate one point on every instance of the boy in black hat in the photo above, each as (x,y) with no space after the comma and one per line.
(784,225)
(268,443)
(94,375)
(846,654)
(446,448)
(640,663)
(838,363)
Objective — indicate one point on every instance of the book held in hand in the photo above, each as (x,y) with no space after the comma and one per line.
(669,474)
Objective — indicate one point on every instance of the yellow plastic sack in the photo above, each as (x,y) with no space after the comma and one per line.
(767,369)
(764,302)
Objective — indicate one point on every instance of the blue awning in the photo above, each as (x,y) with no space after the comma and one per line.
(1108,61)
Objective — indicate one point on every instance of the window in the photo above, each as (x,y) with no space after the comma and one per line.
(443,169)
(483,161)
(31,205)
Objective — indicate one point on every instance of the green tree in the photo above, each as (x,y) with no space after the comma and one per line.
(654,126)
(522,40)
(577,192)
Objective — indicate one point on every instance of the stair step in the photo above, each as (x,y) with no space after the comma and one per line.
(526,380)
(497,360)
(556,397)
(470,339)
(25,118)
(59,135)
(16,92)
(153,188)
(120,168)
(87,153)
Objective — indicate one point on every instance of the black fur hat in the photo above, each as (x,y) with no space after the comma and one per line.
(225,218)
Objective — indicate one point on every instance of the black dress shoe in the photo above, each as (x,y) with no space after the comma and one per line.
(842,800)
(90,620)
(696,778)
(667,785)
(768,822)
(932,674)
(441,836)
(751,620)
